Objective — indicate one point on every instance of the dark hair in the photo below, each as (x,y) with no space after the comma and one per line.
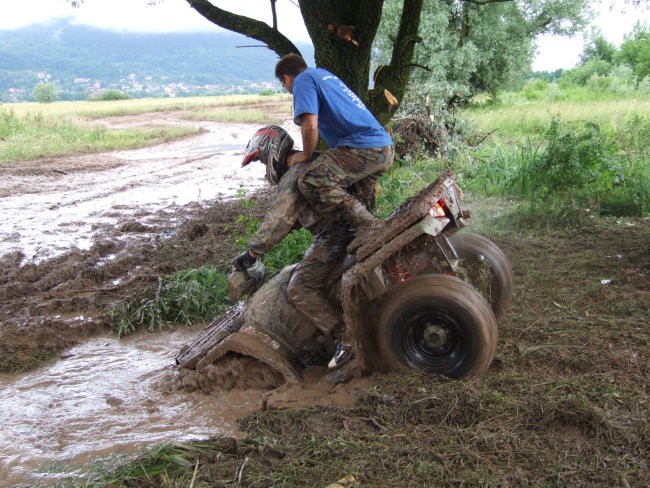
(290,64)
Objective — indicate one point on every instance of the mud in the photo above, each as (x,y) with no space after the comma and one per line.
(234,371)
(78,235)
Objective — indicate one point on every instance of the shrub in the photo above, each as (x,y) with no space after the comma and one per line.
(111,95)
(267,92)
(45,93)
(187,297)
(576,166)
(534,89)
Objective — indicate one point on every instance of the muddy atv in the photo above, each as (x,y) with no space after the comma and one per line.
(419,295)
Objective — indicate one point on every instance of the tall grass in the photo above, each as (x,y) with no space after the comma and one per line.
(34,135)
(94,109)
(288,251)
(518,121)
(186,297)
(574,166)
(235,114)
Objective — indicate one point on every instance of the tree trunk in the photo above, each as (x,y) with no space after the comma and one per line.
(392,80)
(342,32)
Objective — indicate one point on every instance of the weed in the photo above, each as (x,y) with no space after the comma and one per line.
(187,297)
(575,170)
(288,251)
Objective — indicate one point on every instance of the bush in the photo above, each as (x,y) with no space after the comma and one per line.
(576,166)
(187,297)
(111,95)
(45,93)
(582,74)
(535,89)
(267,92)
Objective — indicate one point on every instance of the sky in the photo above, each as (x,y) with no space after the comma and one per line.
(176,15)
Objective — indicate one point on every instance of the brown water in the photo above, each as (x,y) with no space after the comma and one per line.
(111,396)
(105,396)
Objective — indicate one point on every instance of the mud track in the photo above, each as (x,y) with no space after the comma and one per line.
(81,233)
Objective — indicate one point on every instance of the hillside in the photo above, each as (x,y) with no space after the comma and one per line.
(83,60)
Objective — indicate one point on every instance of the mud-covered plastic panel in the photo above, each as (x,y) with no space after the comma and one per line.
(256,344)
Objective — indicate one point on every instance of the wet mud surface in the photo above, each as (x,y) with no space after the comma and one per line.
(565,401)
(81,233)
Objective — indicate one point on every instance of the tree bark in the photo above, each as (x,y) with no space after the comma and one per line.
(342,32)
(252,28)
(394,77)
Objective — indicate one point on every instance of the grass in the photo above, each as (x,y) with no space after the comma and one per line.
(587,158)
(96,109)
(187,297)
(518,122)
(35,136)
(32,131)
(246,115)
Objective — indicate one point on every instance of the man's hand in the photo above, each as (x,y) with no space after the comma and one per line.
(244,261)
(309,133)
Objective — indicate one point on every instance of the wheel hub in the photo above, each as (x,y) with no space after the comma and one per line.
(435,336)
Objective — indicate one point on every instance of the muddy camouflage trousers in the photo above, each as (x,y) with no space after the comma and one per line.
(317,274)
(340,176)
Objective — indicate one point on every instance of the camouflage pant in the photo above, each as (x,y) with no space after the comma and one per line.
(342,175)
(318,271)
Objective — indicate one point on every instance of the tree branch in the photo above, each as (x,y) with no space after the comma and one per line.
(274,14)
(252,28)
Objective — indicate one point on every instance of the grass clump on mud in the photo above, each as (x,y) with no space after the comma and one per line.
(186,297)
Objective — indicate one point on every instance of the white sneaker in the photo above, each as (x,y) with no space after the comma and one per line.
(341,356)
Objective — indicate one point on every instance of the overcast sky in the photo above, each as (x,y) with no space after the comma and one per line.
(176,15)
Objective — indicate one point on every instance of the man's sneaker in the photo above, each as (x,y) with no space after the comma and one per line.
(342,354)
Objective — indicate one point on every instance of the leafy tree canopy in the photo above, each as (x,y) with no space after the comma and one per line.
(478,44)
(45,93)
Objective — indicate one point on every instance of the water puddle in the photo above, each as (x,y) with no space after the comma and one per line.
(105,396)
(74,198)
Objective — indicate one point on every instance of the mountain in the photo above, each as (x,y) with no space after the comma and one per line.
(81,61)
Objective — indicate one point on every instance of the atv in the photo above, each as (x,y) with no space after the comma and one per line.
(421,294)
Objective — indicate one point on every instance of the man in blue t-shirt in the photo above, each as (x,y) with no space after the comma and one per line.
(339,184)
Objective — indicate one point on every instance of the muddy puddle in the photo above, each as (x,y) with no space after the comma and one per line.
(49,207)
(104,397)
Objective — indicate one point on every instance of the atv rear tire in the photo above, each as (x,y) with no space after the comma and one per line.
(486,268)
(437,324)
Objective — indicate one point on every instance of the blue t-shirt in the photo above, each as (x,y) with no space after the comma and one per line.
(343,119)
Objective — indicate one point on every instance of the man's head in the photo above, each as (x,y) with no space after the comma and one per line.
(286,70)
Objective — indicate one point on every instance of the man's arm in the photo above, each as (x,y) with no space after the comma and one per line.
(281,217)
(309,134)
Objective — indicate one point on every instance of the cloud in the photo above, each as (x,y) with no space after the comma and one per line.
(139,16)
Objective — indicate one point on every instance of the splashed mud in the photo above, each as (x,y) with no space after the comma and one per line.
(81,233)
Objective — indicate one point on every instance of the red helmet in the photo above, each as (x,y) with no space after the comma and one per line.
(270,145)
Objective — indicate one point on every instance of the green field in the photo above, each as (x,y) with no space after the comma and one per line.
(530,120)
(32,130)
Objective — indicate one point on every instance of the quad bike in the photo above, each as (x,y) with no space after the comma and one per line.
(418,295)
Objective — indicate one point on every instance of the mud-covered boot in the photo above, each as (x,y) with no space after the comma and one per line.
(365,224)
